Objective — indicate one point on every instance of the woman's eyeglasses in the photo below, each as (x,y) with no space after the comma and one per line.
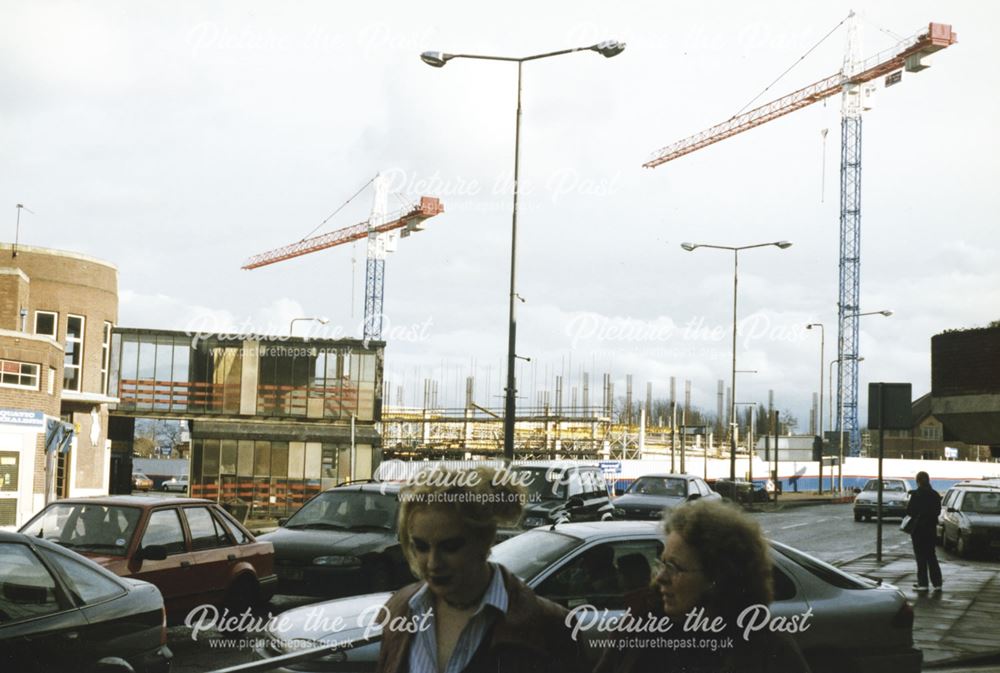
(670,570)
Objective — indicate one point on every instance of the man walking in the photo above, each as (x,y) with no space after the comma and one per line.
(924,507)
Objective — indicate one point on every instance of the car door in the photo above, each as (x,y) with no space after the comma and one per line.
(172,575)
(945,518)
(39,626)
(212,554)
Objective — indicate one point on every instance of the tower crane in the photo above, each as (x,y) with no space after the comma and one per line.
(382,232)
(852,83)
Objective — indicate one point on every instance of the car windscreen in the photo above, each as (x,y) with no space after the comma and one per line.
(872,485)
(823,570)
(86,527)
(347,510)
(661,486)
(543,483)
(528,554)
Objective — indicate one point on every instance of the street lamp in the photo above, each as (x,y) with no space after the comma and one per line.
(736,264)
(840,374)
(291,325)
(437,59)
(822,359)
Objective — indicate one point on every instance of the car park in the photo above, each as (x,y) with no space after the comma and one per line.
(178,484)
(651,494)
(895,496)
(141,482)
(61,612)
(559,492)
(857,624)
(342,541)
(191,549)
(970,519)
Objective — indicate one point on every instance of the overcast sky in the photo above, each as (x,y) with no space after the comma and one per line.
(177,139)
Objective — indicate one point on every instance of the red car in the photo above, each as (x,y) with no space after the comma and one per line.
(191,549)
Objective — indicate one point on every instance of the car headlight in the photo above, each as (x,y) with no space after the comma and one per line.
(534,521)
(339,561)
(619,513)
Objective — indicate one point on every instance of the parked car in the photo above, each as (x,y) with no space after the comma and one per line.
(651,494)
(177,484)
(970,519)
(895,496)
(857,624)
(141,482)
(560,491)
(342,541)
(61,612)
(191,549)
(740,490)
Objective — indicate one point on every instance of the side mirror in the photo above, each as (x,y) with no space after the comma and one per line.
(154,552)
(619,490)
(282,521)
(574,502)
(952,509)
(694,496)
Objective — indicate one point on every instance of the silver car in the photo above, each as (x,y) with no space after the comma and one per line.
(857,624)
(177,484)
(970,519)
(895,496)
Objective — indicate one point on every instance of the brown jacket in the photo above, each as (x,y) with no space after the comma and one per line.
(532,637)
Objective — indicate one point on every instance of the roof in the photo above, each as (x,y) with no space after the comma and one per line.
(667,475)
(144,501)
(599,529)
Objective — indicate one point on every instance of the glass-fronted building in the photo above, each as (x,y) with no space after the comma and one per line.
(273,420)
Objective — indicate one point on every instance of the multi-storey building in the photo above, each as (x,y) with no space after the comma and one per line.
(57,312)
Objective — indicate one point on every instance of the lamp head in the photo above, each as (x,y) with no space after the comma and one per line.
(784,244)
(689,246)
(609,48)
(323,321)
(435,59)
(886,313)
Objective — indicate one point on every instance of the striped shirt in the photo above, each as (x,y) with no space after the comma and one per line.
(423,649)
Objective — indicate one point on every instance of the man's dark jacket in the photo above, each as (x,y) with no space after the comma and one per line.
(924,506)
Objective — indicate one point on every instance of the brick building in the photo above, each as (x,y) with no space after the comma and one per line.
(57,311)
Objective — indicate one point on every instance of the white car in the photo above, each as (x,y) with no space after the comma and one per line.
(176,484)
(857,624)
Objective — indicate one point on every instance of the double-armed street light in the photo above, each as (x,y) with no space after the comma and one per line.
(736,263)
(438,59)
(842,360)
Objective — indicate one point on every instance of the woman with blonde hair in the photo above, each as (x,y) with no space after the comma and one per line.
(470,614)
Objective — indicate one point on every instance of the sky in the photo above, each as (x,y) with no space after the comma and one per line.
(177,139)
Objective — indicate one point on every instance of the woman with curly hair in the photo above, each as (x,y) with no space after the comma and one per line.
(470,614)
(715,565)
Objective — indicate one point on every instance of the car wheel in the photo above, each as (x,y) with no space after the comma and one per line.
(380,577)
(962,546)
(607,516)
(242,594)
(857,516)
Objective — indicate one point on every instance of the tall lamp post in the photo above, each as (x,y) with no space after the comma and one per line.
(836,361)
(437,59)
(291,325)
(736,265)
(822,361)
(840,379)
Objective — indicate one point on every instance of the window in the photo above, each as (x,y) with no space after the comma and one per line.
(19,374)
(45,323)
(234,528)
(603,575)
(27,590)
(105,356)
(165,529)
(206,532)
(88,585)
(72,374)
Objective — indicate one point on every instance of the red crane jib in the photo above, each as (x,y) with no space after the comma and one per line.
(428,207)
(937,37)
